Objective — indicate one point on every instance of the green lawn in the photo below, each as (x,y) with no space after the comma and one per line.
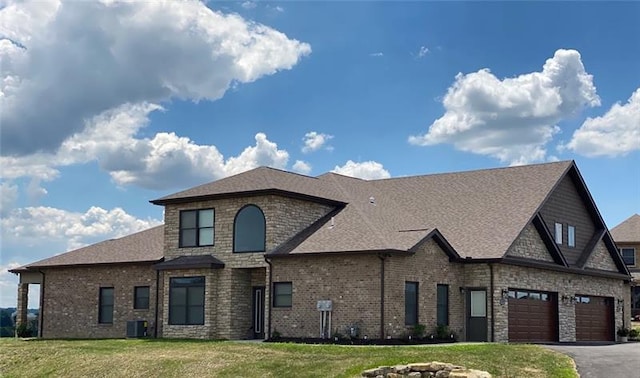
(169,358)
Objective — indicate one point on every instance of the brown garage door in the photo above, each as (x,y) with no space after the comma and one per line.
(533,316)
(594,318)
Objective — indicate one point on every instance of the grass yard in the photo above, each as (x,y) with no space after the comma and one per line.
(169,358)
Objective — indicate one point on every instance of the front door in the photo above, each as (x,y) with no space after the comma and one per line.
(258,312)
(476,315)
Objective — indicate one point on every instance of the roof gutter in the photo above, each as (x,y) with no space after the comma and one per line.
(268,260)
(382,258)
(155,321)
(248,193)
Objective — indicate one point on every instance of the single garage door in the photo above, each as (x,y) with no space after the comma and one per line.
(594,318)
(533,316)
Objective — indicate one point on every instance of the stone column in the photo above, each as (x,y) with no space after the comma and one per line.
(23,301)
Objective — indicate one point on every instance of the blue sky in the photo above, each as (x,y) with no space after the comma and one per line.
(108,105)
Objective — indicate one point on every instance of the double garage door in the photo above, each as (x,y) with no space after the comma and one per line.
(533,317)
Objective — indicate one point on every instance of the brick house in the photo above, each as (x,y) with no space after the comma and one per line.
(509,254)
(627,237)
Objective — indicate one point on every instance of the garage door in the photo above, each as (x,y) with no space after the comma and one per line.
(594,318)
(533,316)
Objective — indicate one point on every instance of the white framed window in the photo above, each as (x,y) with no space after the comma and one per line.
(629,256)
(558,235)
(571,236)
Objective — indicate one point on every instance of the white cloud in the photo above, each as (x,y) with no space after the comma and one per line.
(616,133)
(313,141)
(423,51)
(376,54)
(302,167)
(162,162)
(367,170)
(514,118)
(8,197)
(86,58)
(248,5)
(33,233)
(38,226)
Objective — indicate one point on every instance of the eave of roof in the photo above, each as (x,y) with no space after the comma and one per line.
(191,262)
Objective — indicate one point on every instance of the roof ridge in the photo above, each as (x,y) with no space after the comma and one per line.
(568,162)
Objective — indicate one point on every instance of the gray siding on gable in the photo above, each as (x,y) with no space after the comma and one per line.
(565,206)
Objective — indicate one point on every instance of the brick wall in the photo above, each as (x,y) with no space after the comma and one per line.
(71,300)
(352,282)
(429,266)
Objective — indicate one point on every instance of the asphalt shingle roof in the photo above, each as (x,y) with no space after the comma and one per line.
(627,231)
(142,246)
(480,213)
(259,180)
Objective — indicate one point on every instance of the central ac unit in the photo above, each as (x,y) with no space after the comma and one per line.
(137,328)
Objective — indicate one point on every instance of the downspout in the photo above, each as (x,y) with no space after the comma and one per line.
(493,319)
(41,312)
(382,258)
(270,292)
(155,322)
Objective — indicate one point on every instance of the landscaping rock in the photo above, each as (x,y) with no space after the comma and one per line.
(424,370)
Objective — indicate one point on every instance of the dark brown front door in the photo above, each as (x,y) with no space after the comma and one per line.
(258,312)
(533,316)
(594,318)
(476,315)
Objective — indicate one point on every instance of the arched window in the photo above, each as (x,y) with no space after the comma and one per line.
(249,230)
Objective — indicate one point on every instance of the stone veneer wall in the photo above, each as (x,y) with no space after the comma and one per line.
(285,217)
(228,303)
(213,295)
(530,245)
(601,259)
(70,303)
(429,266)
(352,282)
(562,283)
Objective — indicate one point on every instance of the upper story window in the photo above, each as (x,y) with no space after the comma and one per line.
(196,227)
(571,236)
(249,230)
(558,235)
(629,256)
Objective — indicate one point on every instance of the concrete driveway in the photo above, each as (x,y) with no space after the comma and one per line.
(598,361)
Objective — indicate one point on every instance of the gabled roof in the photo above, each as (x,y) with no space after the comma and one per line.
(143,246)
(627,231)
(258,181)
(480,213)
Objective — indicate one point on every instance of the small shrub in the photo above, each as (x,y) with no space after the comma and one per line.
(622,332)
(634,333)
(442,332)
(418,331)
(275,335)
(24,331)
